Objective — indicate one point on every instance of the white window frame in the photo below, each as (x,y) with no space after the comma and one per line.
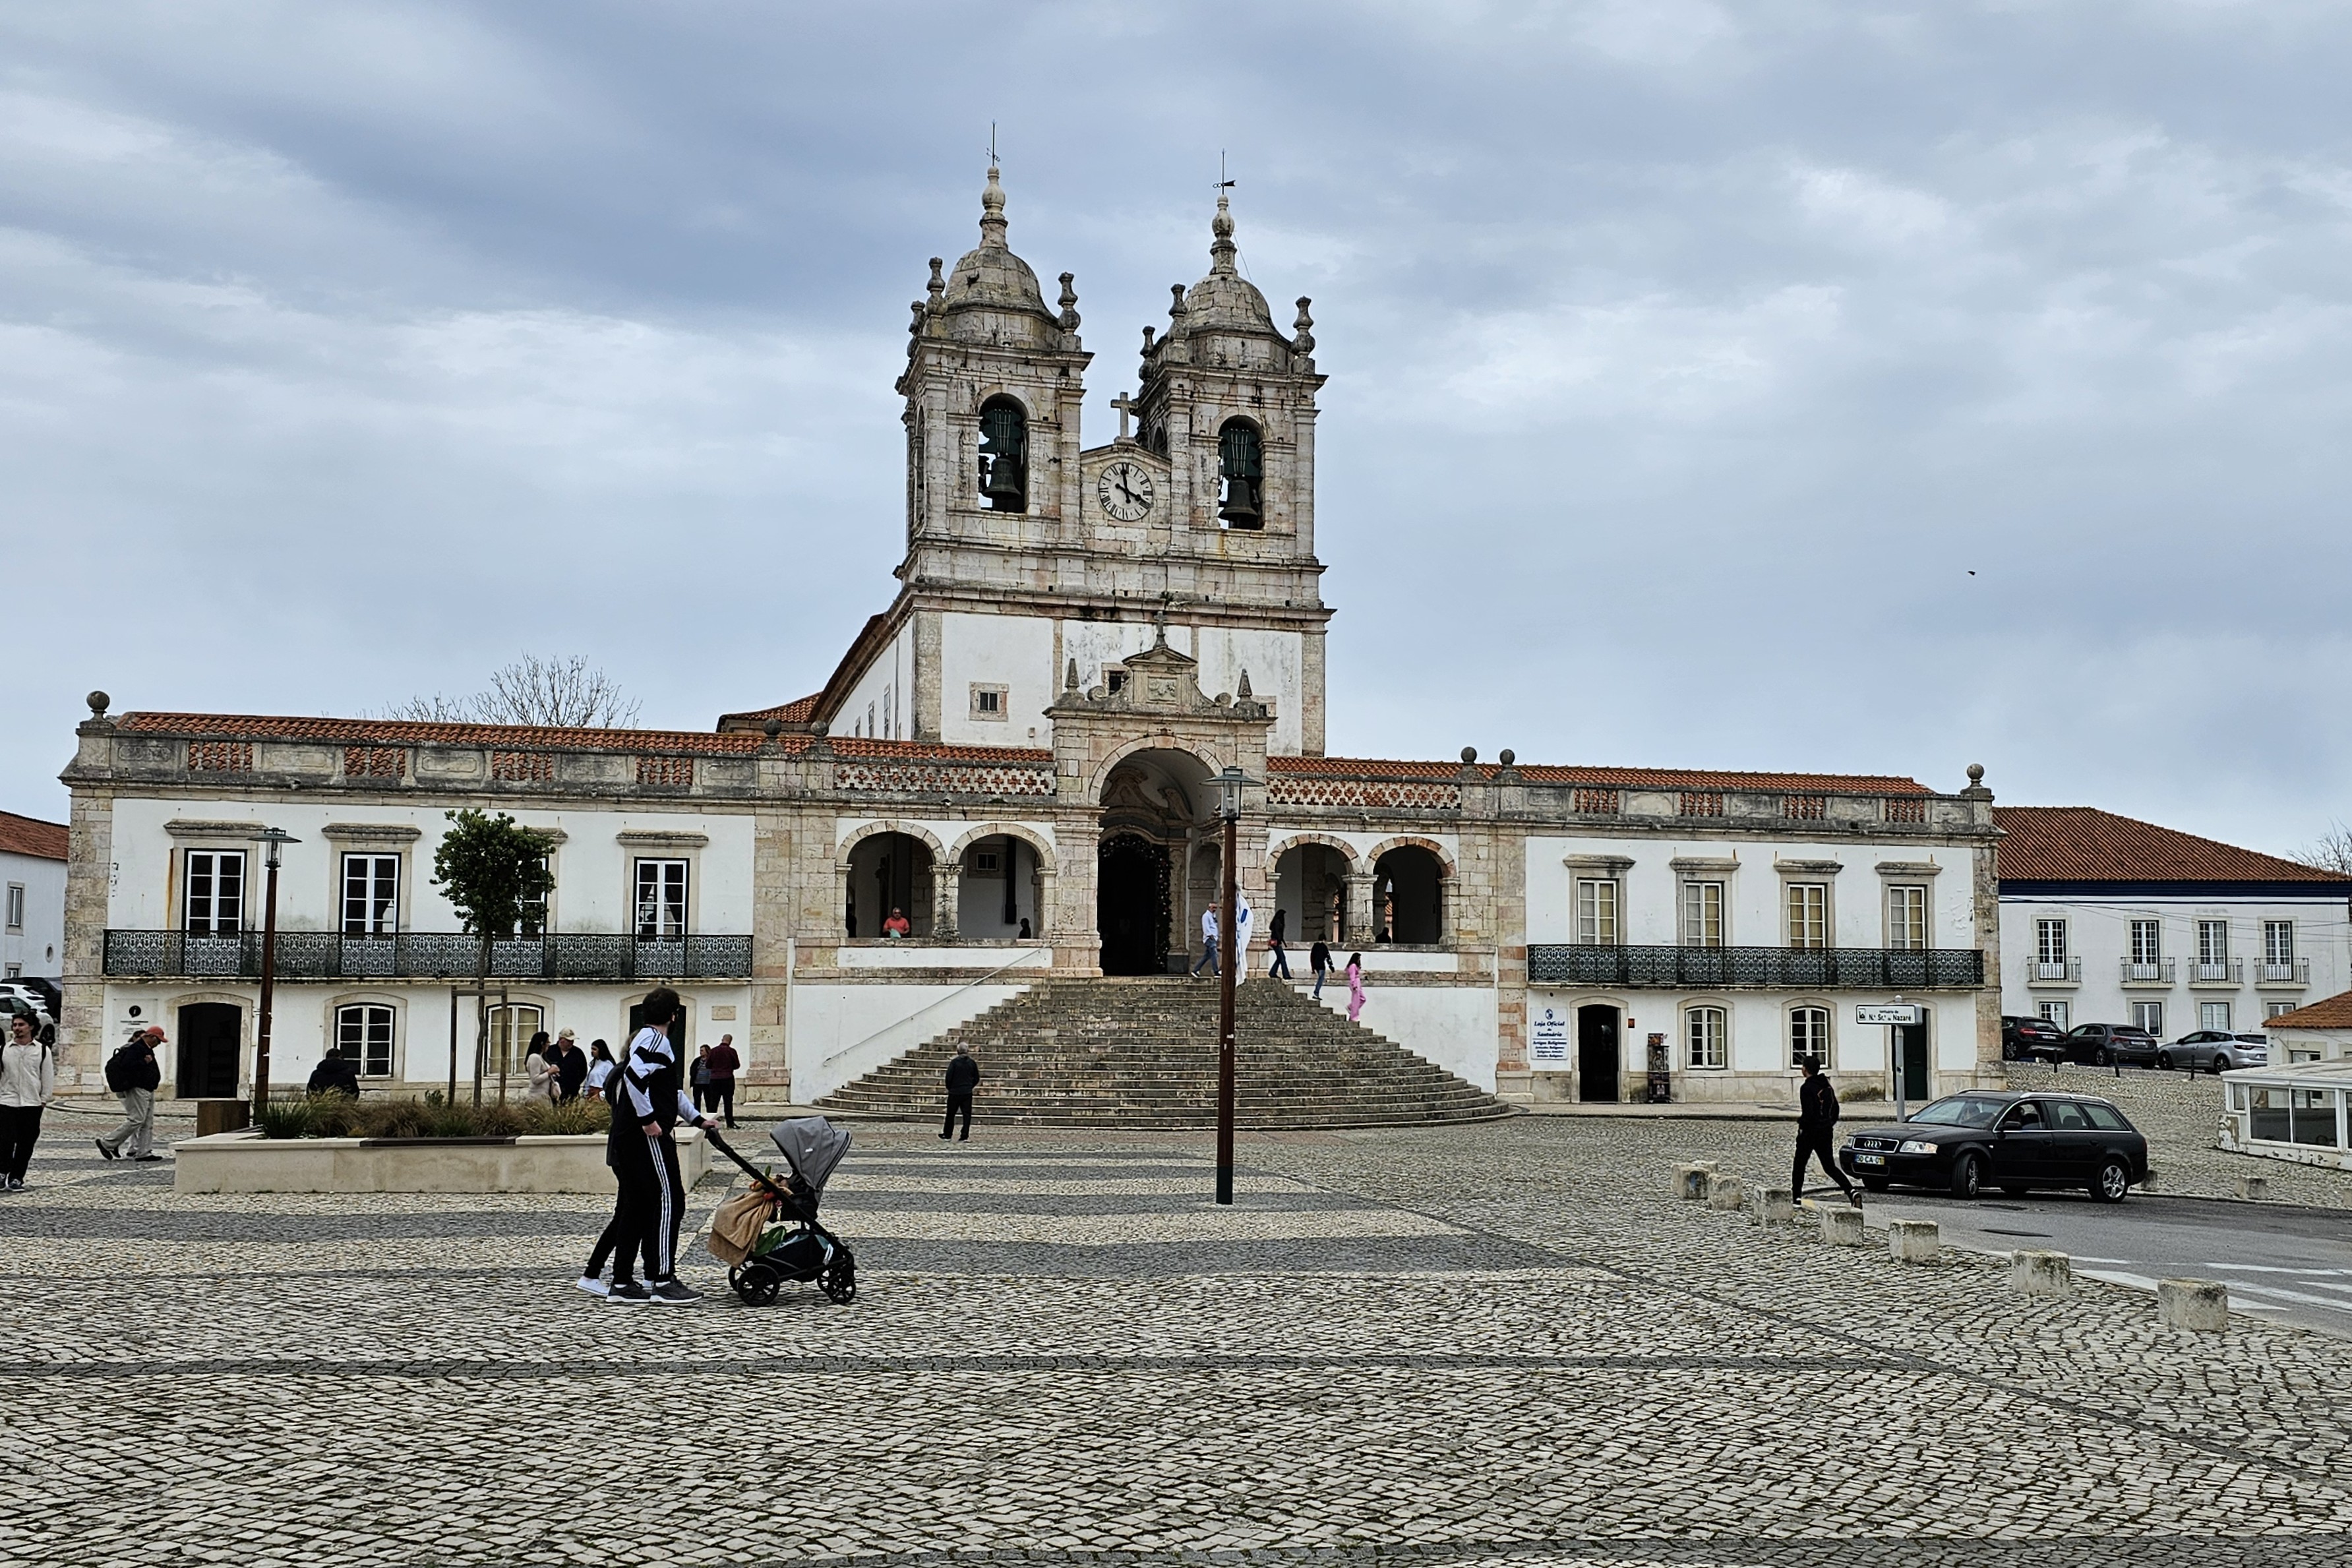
(536,917)
(1805,914)
(2055,1013)
(355,1022)
(2050,941)
(2278,942)
(1705,905)
(1706,1039)
(2275,1009)
(1908,917)
(2213,942)
(214,923)
(652,915)
(1808,1028)
(2214,1016)
(15,906)
(378,901)
(511,1028)
(2149,1015)
(1599,912)
(2147,942)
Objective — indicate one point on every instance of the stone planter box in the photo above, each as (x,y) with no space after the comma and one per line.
(245,1161)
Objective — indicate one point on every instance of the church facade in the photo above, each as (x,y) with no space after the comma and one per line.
(1007,777)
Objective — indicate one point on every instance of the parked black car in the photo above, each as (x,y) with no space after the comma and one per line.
(2009,1139)
(2216,1050)
(2024,1039)
(2101,1044)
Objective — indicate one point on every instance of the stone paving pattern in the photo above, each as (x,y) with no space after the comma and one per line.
(1486,1344)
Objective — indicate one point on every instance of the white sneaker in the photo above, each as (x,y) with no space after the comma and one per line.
(593,1285)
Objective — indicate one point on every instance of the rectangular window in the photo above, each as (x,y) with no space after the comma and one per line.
(2213,942)
(511,1028)
(2274,1009)
(2213,1016)
(534,909)
(2149,1015)
(661,898)
(2054,1013)
(1809,1036)
(1809,914)
(15,906)
(215,896)
(1906,919)
(1596,912)
(1704,1028)
(2278,942)
(1702,914)
(2050,941)
(363,1034)
(2147,942)
(989,702)
(371,895)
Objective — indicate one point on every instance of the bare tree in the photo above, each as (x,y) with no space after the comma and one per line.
(559,693)
(2331,853)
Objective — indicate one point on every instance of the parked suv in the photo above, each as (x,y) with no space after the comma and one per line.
(2025,1039)
(2216,1050)
(2101,1044)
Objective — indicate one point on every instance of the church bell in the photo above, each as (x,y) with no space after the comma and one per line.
(1241,503)
(1003,487)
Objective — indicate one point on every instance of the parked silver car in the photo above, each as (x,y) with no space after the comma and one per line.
(2216,1050)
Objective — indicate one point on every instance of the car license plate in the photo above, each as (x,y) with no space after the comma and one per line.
(1870,1159)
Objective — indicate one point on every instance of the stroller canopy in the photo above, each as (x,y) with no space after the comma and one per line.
(811,1146)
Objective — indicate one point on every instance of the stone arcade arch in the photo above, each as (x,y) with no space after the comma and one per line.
(1411,881)
(885,866)
(1313,878)
(1155,803)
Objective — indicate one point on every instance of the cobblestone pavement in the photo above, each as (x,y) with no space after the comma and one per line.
(1495,1344)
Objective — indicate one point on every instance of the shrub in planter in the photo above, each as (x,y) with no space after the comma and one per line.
(339,1116)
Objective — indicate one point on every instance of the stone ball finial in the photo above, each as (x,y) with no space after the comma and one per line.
(771,729)
(1510,756)
(98,701)
(1469,755)
(1975,772)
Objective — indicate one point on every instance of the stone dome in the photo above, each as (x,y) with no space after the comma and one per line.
(1225,300)
(990,276)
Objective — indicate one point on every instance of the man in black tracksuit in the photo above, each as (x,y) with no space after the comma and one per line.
(648,1100)
(964,1077)
(1817,1115)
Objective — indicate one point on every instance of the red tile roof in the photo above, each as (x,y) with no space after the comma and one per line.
(1621,778)
(2084,844)
(2334,1013)
(31,835)
(407,732)
(798,711)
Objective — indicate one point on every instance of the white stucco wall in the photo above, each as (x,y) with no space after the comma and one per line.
(841,1032)
(1015,652)
(37,951)
(882,687)
(594,870)
(1451,1025)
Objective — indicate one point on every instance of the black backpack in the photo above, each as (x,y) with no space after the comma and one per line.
(122,1065)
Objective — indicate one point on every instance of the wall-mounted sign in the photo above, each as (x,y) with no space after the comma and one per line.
(1547,1039)
(1888,1012)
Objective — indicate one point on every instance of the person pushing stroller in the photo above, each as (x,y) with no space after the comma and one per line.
(648,1096)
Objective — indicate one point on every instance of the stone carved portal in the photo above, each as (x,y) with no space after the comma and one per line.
(1151,802)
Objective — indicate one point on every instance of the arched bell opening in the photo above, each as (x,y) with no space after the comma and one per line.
(1310,888)
(1003,454)
(1408,896)
(1241,475)
(888,873)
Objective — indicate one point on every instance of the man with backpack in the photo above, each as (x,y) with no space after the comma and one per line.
(1817,1118)
(133,1074)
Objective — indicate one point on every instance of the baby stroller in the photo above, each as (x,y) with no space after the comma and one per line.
(770,1234)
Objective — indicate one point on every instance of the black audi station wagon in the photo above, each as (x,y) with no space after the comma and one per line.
(2013,1139)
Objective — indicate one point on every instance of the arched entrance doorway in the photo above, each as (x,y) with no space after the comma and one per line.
(1151,802)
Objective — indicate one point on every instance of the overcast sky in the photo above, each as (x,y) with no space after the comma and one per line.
(1839,387)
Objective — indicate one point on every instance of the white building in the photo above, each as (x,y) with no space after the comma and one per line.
(32,868)
(2107,920)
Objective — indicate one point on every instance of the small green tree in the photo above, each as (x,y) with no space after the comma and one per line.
(490,868)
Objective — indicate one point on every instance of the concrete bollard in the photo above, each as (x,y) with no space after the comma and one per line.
(1727,1192)
(1772,1205)
(1842,1227)
(2253,1189)
(1914,1241)
(2202,1305)
(2034,1273)
(1690,1182)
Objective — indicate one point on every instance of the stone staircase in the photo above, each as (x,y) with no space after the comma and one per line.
(1143,1054)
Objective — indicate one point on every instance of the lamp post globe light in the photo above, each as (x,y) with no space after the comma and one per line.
(273,840)
(1230,785)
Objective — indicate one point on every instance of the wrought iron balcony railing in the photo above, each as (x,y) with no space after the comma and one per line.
(2218,972)
(2147,970)
(2284,971)
(2055,972)
(1788,968)
(427,956)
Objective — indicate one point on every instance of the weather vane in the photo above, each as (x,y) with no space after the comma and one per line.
(1222,182)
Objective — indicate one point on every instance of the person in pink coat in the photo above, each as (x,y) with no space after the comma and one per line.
(1355,985)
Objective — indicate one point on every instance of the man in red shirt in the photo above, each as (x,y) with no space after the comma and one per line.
(724,1064)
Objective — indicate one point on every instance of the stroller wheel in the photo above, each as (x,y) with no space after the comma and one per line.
(839,1282)
(755,1284)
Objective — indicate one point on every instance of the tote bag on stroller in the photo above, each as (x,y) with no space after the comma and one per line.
(737,1225)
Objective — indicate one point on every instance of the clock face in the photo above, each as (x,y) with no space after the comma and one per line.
(1125,491)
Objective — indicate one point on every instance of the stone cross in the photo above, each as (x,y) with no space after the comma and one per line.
(1126,405)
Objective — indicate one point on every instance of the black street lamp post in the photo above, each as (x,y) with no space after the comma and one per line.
(273,839)
(1230,785)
